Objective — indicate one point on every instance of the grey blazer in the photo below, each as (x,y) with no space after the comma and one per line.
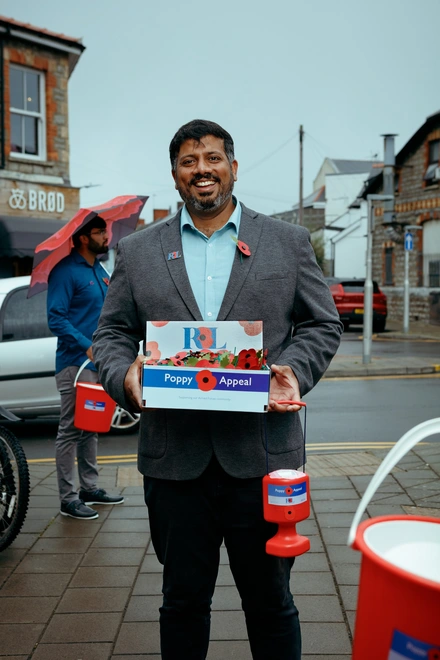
(280,284)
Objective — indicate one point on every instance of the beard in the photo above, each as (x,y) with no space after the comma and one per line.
(207,203)
(96,248)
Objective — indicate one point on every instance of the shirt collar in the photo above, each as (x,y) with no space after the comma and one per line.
(234,220)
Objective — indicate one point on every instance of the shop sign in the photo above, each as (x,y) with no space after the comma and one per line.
(36,200)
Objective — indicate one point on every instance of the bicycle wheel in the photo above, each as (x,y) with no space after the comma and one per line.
(14,487)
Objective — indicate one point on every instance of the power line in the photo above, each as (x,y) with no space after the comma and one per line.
(272,153)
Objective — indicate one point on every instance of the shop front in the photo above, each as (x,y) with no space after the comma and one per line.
(30,212)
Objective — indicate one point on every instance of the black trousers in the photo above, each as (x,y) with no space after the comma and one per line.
(189,521)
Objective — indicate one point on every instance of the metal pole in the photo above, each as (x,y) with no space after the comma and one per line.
(301,134)
(406,294)
(368,288)
(406,290)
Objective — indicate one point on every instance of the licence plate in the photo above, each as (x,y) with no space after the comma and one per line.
(358,311)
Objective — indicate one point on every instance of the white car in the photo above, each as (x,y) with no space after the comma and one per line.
(27,357)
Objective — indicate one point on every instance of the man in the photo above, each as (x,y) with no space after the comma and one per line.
(77,289)
(203,470)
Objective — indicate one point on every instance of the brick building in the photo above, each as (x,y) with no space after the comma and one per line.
(36,196)
(417,202)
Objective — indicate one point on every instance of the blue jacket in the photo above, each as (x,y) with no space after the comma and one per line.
(75,297)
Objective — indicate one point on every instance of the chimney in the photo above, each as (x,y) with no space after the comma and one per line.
(158,214)
(388,178)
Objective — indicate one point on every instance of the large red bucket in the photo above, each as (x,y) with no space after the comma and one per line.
(94,409)
(398,610)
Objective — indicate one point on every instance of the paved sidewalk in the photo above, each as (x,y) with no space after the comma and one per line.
(74,590)
(349,366)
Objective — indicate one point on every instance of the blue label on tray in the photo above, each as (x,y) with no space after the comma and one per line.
(404,647)
(205,379)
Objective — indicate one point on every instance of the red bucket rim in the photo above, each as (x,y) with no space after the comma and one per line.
(361,545)
(90,386)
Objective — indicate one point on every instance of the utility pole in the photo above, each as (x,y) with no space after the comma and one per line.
(301,138)
(368,286)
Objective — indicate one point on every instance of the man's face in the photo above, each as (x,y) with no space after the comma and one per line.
(204,176)
(98,241)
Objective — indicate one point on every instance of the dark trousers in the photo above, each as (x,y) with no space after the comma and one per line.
(189,521)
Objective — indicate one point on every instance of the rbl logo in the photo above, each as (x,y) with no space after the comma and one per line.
(201,338)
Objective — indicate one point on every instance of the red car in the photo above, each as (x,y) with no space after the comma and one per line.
(348,295)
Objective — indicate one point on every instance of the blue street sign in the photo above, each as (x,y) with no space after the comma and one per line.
(409,242)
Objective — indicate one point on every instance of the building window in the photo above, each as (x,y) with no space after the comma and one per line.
(431,174)
(27,113)
(388,266)
(434,273)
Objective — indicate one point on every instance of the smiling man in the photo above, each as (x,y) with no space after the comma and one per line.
(203,470)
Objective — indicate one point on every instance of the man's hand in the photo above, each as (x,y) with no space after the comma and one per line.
(283,387)
(89,353)
(132,383)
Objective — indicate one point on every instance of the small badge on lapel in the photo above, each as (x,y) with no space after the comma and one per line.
(174,255)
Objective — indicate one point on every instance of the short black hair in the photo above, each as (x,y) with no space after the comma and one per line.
(95,223)
(196,130)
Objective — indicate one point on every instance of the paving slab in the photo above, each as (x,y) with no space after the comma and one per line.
(113,557)
(72,652)
(100,576)
(109,599)
(49,563)
(27,609)
(19,638)
(90,627)
(32,585)
(144,608)
(325,638)
(142,637)
(121,540)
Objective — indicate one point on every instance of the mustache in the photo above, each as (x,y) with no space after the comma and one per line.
(200,177)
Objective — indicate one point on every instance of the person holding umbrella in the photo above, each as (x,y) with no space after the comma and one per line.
(77,288)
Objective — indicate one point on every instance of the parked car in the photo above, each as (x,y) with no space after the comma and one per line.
(348,294)
(27,357)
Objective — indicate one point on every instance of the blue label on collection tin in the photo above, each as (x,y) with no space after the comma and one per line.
(404,647)
(287,495)
(98,406)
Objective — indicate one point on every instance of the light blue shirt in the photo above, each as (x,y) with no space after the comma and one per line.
(209,261)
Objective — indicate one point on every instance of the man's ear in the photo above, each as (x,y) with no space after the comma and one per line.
(173,172)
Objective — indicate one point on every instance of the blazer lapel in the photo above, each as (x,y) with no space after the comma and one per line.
(250,233)
(171,244)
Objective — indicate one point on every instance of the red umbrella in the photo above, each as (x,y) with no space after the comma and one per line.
(121,215)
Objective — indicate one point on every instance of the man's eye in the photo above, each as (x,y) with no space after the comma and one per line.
(187,161)
(214,158)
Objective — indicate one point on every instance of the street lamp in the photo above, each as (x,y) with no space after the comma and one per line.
(408,249)
(368,286)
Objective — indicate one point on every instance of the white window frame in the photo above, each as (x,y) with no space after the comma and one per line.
(41,116)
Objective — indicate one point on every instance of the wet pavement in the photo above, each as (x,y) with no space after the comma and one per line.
(90,590)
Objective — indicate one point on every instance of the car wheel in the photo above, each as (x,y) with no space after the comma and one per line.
(346,326)
(379,325)
(124,421)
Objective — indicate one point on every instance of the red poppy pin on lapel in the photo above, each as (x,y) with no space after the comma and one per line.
(106,280)
(242,247)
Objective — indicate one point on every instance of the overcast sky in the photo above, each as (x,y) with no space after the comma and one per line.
(345,69)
